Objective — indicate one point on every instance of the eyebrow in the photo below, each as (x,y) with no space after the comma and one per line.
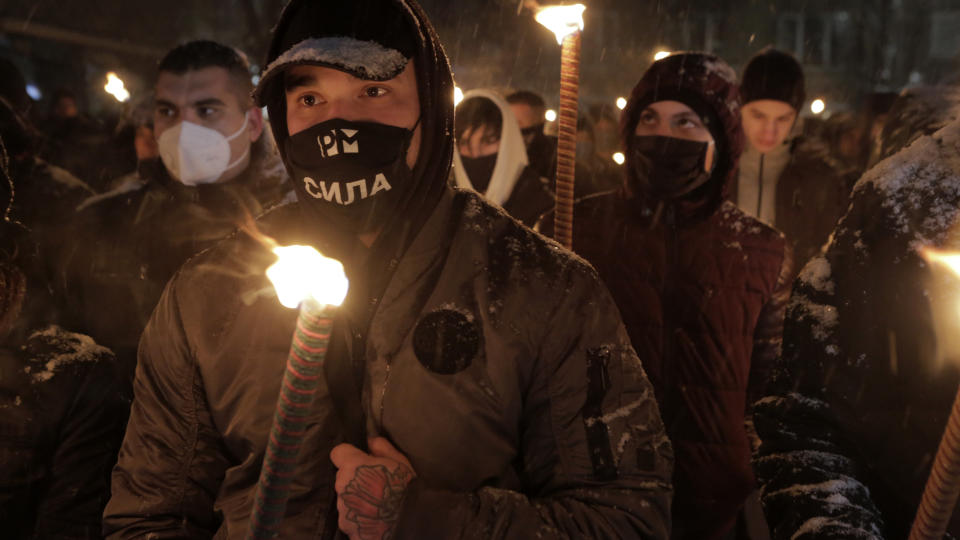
(208,102)
(293,81)
(163,103)
(686,115)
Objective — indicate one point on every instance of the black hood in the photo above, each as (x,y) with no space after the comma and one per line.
(417,38)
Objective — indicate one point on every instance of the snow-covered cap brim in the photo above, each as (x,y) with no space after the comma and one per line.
(366,60)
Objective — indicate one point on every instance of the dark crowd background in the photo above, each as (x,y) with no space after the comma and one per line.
(857,57)
(853,51)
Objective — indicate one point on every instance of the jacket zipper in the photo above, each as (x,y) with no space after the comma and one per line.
(760,191)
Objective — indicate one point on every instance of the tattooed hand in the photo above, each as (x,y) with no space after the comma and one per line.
(370,488)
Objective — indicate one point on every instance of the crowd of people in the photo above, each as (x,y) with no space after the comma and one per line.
(741,335)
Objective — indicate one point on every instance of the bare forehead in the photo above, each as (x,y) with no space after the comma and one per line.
(770,108)
(195,85)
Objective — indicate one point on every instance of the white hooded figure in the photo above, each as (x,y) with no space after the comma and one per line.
(491,159)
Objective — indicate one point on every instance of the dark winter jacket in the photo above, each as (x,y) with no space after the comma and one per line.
(492,358)
(811,195)
(63,407)
(701,288)
(868,376)
(533,416)
(127,244)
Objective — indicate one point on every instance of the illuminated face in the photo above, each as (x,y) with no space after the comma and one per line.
(205,97)
(315,94)
(767,123)
(675,119)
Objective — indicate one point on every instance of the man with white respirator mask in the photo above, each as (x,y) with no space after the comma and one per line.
(209,167)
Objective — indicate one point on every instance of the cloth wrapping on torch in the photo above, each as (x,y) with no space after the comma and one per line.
(300,380)
(567,140)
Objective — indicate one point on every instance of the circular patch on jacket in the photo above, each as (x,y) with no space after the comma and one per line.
(446,341)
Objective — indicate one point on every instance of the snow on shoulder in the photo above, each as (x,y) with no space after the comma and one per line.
(921,186)
(54,348)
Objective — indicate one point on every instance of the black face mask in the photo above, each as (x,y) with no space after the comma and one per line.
(350,174)
(668,167)
(479,170)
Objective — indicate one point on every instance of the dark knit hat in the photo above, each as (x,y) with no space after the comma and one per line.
(774,75)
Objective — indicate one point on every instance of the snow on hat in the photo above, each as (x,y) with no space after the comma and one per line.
(775,75)
(703,82)
(368,39)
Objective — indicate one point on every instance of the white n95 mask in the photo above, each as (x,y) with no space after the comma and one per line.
(194,154)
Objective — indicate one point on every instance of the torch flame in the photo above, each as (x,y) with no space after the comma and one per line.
(115,87)
(301,272)
(950,259)
(562,20)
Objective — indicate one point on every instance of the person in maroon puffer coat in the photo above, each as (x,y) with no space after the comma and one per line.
(701,286)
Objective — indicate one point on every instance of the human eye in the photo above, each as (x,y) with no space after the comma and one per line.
(307,100)
(688,122)
(206,112)
(164,111)
(375,91)
(648,117)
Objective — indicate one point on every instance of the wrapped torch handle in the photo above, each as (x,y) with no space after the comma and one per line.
(943,485)
(567,138)
(300,380)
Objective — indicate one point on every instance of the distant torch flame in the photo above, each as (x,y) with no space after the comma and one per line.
(950,259)
(562,20)
(115,87)
(301,272)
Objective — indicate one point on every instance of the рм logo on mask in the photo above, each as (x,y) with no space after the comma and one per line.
(333,193)
(339,141)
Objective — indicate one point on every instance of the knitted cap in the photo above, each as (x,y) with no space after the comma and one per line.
(774,75)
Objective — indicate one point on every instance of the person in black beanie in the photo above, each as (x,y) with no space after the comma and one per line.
(479,382)
(789,182)
(679,260)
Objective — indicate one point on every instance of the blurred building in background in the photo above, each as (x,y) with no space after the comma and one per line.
(850,48)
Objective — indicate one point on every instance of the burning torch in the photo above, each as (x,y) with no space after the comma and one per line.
(304,277)
(943,484)
(567,23)
(116,88)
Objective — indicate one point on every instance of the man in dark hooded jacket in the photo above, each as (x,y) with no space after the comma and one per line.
(859,401)
(701,285)
(488,365)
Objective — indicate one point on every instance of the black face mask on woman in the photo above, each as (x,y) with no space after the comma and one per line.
(479,170)
(351,174)
(669,167)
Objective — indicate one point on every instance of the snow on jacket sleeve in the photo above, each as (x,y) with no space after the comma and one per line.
(171,463)
(807,471)
(768,334)
(595,461)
